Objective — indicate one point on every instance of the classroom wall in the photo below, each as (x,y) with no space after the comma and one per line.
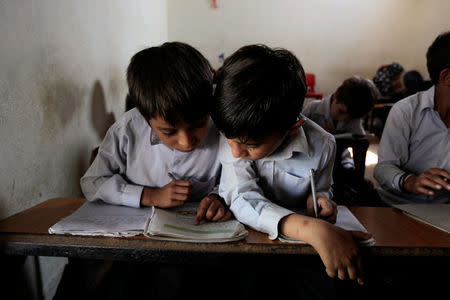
(62,84)
(333,39)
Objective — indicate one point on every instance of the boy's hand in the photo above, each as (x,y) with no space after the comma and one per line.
(212,208)
(327,209)
(175,193)
(342,259)
(425,183)
(336,247)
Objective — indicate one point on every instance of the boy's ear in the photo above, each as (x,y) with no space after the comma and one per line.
(295,127)
(444,76)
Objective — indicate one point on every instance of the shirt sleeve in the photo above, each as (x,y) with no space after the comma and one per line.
(393,150)
(324,174)
(240,190)
(105,178)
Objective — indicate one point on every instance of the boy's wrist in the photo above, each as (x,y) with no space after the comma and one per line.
(146,197)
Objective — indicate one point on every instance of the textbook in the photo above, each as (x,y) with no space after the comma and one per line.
(177,224)
(346,220)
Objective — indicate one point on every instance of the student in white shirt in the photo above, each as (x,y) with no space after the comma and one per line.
(414,152)
(267,150)
(163,152)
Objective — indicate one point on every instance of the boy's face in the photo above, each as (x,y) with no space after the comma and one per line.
(182,137)
(252,150)
(338,111)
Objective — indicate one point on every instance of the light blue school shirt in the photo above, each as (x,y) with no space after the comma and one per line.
(414,140)
(319,112)
(132,157)
(260,193)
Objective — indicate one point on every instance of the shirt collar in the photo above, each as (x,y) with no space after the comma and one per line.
(295,143)
(426,99)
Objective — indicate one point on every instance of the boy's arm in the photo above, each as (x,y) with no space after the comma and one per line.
(241,192)
(393,150)
(104,180)
(337,247)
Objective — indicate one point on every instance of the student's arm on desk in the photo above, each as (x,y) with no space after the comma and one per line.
(336,247)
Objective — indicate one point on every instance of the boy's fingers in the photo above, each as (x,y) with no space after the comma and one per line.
(179,196)
(360,271)
(182,183)
(182,190)
(219,214)
(212,210)
(440,172)
(201,210)
(331,272)
(429,182)
(327,210)
(342,274)
(351,270)
(440,182)
(226,216)
(309,206)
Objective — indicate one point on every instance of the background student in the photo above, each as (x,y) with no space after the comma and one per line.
(414,151)
(342,112)
(268,151)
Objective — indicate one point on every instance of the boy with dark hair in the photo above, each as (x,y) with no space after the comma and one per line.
(163,152)
(414,152)
(341,112)
(268,151)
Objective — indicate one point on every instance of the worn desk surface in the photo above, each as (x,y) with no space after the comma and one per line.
(26,233)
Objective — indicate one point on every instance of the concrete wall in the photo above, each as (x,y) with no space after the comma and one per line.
(333,39)
(62,84)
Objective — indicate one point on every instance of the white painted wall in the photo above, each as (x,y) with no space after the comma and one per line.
(333,39)
(60,63)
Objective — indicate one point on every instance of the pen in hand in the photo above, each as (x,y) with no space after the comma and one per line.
(313,192)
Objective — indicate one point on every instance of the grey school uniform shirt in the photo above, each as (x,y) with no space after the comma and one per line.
(260,193)
(414,140)
(319,112)
(131,156)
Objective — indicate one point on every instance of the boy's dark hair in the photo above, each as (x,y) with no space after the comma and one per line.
(260,91)
(172,81)
(358,95)
(438,57)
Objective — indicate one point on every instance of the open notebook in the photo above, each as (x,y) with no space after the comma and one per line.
(177,224)
(345,220)
(100,218)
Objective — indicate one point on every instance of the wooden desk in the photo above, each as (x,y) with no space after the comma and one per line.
(26,233)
